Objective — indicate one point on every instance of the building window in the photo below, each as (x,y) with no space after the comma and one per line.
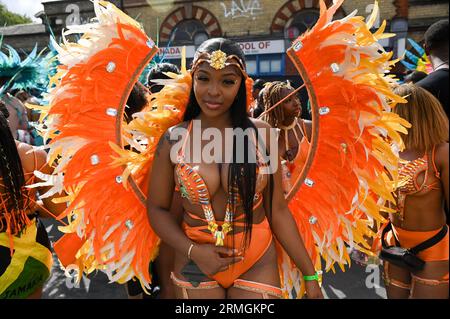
(200,37)
(252,66)
(189,32)
(275,66)
(270,64)
(303,21)
(264,66)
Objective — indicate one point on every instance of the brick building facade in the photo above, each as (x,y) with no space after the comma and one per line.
(264,28)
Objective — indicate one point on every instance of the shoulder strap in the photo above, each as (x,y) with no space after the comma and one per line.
(302,128)
(431,241)
(433,155)
(422,246)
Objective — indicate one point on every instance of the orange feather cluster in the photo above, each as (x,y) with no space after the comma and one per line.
(85,120)
(346,185)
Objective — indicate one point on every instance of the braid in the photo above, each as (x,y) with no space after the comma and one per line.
(11,173)
(272,95)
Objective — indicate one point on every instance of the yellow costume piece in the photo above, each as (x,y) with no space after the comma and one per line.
(29,266)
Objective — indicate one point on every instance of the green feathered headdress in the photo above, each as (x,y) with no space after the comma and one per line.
(30,73)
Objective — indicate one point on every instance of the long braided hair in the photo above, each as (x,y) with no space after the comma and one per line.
(12,211)
(272,94)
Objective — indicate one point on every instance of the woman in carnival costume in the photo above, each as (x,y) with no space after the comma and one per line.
(294,132)
(233,255)
(249,202)
(419,217)
(25,256)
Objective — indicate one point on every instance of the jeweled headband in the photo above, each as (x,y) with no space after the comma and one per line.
(218,60)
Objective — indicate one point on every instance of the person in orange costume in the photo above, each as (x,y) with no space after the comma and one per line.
(243,261)
(421,196)
(295,133)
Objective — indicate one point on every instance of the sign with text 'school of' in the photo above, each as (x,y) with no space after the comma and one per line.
(262,47)
(249,48)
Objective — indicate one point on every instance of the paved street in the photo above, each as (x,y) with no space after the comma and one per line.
(349,285)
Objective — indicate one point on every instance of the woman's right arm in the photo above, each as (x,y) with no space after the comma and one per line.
(159,199)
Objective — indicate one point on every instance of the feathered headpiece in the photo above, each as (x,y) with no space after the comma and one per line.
(418,62)
(20,74)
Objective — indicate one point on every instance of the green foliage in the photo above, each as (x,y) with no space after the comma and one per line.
(10,18)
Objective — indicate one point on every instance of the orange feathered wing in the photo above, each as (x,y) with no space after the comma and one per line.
(108,225)
(345,184)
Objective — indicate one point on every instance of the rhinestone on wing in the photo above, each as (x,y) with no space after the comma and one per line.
(218,59)
(324,110)
(150,43)
(312,220)
(309,182)
(95,159)
(129,224)
(335,67)
(298,46)
(111,111)
(110,67)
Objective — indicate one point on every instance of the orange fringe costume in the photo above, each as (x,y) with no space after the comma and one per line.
(106,183)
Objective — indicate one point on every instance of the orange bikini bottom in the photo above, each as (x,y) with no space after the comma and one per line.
(260,241)
(409,239)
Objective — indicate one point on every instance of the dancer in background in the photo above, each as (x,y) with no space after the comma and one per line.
(25,256)
(294,132)
(421,197)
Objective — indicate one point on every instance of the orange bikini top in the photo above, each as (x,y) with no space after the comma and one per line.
(193,187)
(303,144)
(409,172)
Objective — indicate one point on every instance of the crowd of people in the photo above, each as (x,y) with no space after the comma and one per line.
(222,226)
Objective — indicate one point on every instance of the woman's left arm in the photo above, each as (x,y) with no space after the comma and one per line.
(442,161)
(285,230)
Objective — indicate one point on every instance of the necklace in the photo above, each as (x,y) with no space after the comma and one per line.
(192,186)
(286,129)
(290,126)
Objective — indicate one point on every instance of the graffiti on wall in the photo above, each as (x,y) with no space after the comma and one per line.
(242,9)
